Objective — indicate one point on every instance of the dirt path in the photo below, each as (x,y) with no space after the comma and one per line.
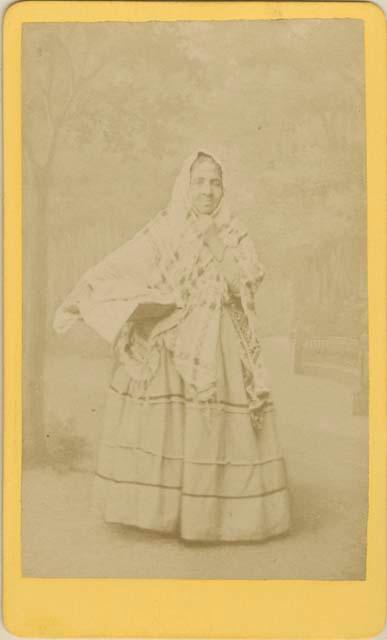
(326,452)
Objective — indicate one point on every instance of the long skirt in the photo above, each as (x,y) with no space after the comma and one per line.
(200,470)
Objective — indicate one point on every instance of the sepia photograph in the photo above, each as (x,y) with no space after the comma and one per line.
(195,303)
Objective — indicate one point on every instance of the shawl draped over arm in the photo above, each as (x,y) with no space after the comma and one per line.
(110,292)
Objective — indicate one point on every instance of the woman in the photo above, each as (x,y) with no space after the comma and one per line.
(189,443)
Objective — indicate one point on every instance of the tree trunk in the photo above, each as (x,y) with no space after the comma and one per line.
(34,327)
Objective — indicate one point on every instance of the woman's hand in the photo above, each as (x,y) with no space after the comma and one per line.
(230,271)
(211,233)
(214,242)
(227,265)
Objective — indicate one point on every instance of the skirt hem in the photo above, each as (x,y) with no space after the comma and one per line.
(177,535)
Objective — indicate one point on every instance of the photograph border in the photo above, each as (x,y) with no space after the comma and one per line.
(55,607)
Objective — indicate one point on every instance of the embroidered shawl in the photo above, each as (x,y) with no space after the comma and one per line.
(167,262)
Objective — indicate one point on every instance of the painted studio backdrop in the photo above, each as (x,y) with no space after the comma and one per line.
(110,111)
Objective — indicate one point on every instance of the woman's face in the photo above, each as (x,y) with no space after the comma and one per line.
(206,187)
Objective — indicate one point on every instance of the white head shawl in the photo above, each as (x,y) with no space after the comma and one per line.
(179,208)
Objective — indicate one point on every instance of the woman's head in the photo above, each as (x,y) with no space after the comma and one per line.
(206,183)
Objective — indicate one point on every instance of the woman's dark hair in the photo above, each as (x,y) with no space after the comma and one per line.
(205,157)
